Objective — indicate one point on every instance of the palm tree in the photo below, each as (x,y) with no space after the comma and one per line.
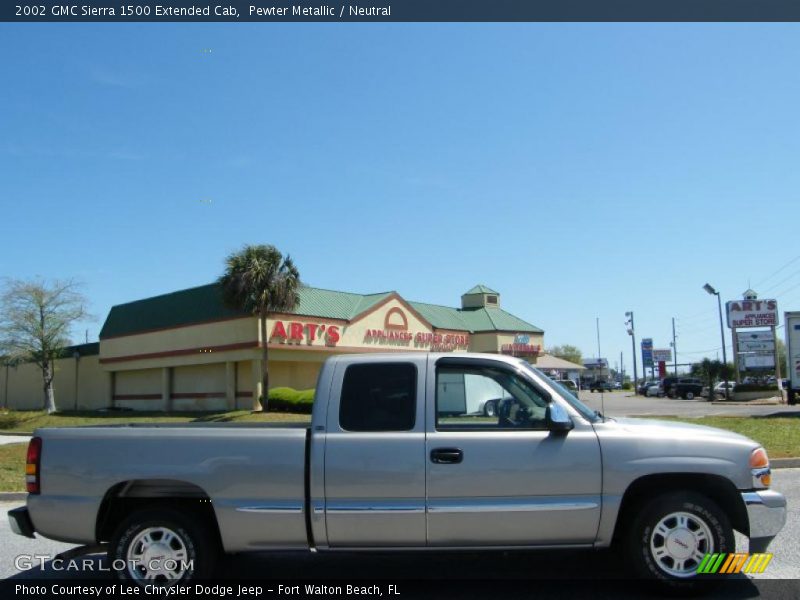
(258,279)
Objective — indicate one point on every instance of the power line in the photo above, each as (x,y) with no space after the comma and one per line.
(693,316)
(718,348)
(692,330)
(782,281)
(797,285)
(795,259)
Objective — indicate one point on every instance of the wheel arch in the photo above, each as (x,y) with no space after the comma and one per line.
(127,496)
(716,487)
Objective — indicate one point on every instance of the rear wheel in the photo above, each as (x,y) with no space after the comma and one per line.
(689,395)
(162,547)
(671,535)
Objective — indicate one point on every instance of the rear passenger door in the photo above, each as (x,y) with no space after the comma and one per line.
(375,454)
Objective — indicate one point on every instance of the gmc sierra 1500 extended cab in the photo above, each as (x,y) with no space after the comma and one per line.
(395,458)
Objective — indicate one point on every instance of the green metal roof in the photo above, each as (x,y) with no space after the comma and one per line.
(204,303)
(90,349)
(183,307)
(481,289)
(315,302)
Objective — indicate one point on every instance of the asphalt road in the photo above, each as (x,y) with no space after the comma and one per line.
(569,573)
(625,404)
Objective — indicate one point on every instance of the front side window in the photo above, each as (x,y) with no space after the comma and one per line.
(379,397)
(486,398)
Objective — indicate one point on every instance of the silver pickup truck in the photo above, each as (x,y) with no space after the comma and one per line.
(395,458)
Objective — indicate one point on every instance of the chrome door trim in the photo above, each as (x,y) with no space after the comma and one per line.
(272,509)
(389,508)
(495,505)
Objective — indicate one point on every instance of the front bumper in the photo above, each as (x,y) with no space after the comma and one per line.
(20,522)
(766,513)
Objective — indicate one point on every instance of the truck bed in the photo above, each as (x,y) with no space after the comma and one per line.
(253,473)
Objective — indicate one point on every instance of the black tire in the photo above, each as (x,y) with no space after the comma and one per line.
(705,521)
(190,539)
(689,396)
(490,408)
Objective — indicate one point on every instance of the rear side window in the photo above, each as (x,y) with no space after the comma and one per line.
(379,397)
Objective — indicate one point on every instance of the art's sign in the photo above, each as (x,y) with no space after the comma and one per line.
(435,342)
(752,313)
(397,332)
(298,332)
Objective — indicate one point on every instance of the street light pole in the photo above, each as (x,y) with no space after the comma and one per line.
(632,333)
(714,292)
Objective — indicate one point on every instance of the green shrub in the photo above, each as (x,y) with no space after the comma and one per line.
(755,387)
(285,399)
(627,385)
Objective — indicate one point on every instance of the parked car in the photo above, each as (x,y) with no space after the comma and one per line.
(600,386)
(655,390)
(383,465)
(719,389)
(641,389)
(570,385)
(682,387)
(617,385)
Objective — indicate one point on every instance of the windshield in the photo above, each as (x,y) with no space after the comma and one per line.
(569,395)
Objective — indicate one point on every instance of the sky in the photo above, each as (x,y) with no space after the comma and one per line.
(581,170)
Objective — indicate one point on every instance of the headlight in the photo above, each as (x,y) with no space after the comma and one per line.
(759,467)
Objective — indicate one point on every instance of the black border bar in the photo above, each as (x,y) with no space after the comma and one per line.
(276,11)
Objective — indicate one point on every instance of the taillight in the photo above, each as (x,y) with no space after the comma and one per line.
(33,465)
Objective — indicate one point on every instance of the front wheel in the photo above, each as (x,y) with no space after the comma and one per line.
(689,395)
(162,547)
(490,408)
(671,535)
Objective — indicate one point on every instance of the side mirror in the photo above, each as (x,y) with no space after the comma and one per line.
(557,419)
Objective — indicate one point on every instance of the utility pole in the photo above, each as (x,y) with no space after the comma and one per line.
(708,288)
(674,348)
(632,333)
(621,370)
(597,322)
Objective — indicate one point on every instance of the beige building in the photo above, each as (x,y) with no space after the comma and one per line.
(187,351)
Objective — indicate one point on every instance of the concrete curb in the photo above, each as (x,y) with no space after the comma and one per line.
(784,463)
(12,496)
(746,403)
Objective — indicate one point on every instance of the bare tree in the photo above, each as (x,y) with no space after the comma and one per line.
(35,319)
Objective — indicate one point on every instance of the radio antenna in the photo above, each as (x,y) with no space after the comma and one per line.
(600,361)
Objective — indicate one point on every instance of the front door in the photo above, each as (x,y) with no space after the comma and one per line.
(505,479)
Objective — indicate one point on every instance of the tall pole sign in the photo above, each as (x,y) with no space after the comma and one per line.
(757,350)
(647,353)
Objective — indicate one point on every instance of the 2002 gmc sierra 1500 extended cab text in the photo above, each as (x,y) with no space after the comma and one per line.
(394,459)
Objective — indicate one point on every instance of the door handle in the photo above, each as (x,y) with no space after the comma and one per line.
(447,456)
